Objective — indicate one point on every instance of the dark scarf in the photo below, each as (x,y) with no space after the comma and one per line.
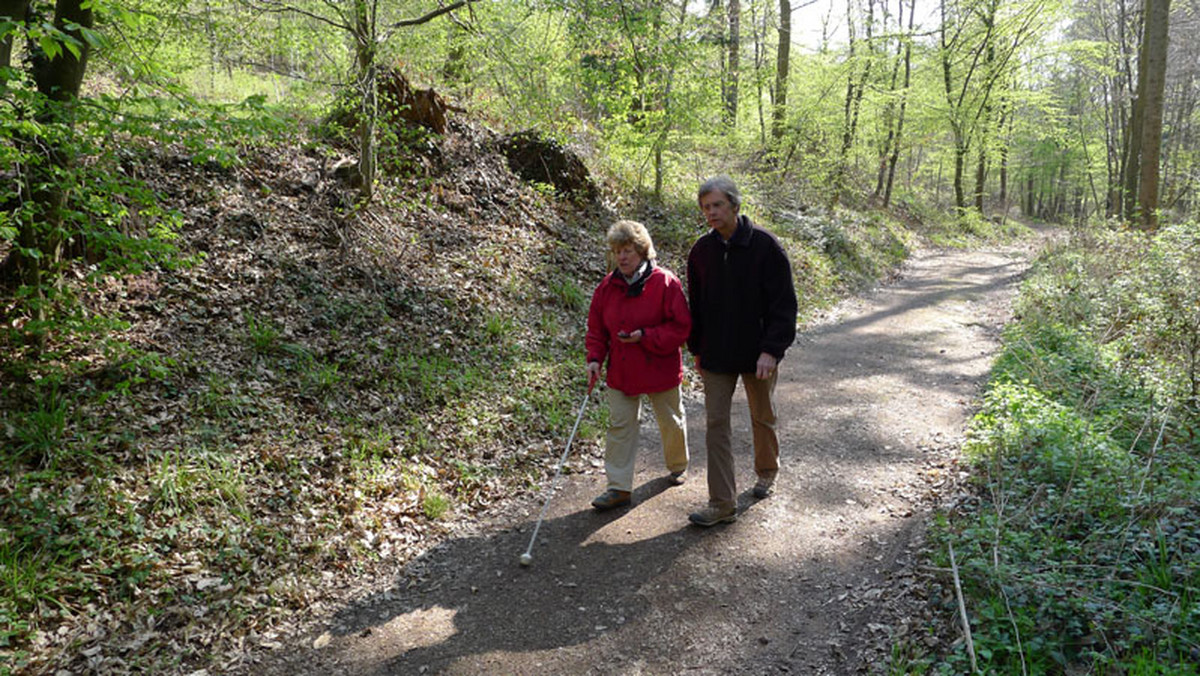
(638,281)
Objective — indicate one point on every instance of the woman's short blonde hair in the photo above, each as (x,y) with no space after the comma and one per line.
(630,232)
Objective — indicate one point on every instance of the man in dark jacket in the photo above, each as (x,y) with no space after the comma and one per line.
(743,321)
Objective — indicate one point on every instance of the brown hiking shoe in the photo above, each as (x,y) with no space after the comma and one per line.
(764,488)
(611,498)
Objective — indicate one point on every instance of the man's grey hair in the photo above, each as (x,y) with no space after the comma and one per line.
(724,184)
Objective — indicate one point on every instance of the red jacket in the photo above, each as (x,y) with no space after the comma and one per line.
(660,310)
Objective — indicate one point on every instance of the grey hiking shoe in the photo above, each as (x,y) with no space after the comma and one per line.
(678,478)
(713,515)
(611,498)
(764,488)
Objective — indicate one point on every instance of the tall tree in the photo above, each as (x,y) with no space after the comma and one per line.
(783,67)
(1132,171)
(1151,84)
(856,84)
(889,108)
(904,92)
(733,46)
(58,61)
(15,12)
(977,52)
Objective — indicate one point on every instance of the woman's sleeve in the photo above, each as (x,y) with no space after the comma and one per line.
(695,336)
(667,336)
(597,341)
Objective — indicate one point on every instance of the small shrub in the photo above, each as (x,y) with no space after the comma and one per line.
(435,505)
(498,326)
(263,334)
(38,433)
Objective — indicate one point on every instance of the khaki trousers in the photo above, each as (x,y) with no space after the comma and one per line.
(624,418)
(718,399)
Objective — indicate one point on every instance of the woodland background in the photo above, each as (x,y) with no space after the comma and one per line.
(283,301)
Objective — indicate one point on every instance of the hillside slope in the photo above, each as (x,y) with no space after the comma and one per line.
(319,391)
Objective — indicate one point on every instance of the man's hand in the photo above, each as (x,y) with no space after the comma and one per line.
(766,364)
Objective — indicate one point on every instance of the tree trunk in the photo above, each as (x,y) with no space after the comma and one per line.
(1006,118)
(980,175)
(58,79)
(1133,144)
(960,142)
(14,10)
(854,92)
(1031,195)
(731,66)
(889,111)
(760,50)
(1059,200)
(667,108)
(887,193)
(365,46)
(1116,112)
(960,167)
(782,68)
(1154,55)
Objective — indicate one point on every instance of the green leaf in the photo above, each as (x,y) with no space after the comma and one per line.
(50,46)
(73,47)
(92,37)
(7,28)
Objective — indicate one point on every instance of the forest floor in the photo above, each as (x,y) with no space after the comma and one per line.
(823,577)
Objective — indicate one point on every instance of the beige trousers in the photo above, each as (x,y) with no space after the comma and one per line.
(718,400)
(624,417)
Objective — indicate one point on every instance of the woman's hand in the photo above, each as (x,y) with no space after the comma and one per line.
(634,336)
(593,370)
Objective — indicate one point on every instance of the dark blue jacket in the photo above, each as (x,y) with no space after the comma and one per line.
(742,299)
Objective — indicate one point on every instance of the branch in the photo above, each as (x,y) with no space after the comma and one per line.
(962,610)
(276,7)
(432,15)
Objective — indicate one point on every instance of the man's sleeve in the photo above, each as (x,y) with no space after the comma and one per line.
(779,325)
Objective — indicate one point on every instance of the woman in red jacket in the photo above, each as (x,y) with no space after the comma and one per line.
(638,321)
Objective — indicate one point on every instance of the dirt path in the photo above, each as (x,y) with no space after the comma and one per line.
(813,580)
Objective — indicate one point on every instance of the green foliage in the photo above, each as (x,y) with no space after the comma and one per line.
(1057,446)
(1080,546)
(860,248)
(435,506)
(1137,298)
(498,326)
(37,434)
(567,293)
(262,334)
(446,409)
(188,479)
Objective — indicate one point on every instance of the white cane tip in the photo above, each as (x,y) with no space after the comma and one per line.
(526,559)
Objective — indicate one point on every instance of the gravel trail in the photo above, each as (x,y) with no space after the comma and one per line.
(873,402)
